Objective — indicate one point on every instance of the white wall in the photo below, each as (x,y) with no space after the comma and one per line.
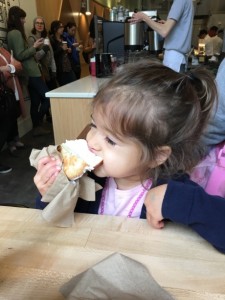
(29,6)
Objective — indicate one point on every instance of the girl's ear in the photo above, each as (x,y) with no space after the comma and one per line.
(162,155)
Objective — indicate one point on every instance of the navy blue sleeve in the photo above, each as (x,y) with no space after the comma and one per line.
(38,203)
(187,203)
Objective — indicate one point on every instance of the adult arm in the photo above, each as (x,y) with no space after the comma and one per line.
(17,44)
(163,28)
(40,53)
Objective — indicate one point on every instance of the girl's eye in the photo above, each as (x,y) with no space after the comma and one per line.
(108,140)
(92,125)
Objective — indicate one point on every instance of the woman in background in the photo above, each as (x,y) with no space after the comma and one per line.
(64,71)
(44,54)
(17,42)
(69,36)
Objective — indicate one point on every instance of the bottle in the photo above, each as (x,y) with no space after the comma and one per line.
(120,14)
(93,66)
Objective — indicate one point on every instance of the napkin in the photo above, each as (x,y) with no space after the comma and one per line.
(63,194)
(115,277)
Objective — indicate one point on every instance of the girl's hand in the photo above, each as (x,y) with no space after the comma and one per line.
(47,171)
(153,203)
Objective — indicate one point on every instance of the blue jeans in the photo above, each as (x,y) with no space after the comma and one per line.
(39,103)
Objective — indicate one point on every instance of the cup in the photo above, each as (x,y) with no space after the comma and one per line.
(46,41)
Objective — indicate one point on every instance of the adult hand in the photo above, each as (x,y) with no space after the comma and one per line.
(153,203)
(138,17)
(38,43)
(47,170)
(64,46)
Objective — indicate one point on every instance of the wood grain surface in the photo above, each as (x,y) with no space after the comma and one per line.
(36,259)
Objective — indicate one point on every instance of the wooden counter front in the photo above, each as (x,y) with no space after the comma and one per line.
(36,259)
(70,107)
(69,117)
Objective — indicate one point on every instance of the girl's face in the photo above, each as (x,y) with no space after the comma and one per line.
(121,159)
(39,25)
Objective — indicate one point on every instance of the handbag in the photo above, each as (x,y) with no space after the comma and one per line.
(7,98)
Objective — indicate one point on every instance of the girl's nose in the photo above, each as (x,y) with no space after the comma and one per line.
(93,140)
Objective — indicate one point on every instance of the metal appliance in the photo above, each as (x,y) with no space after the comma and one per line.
(133,36)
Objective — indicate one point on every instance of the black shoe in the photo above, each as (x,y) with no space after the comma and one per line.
(5,169)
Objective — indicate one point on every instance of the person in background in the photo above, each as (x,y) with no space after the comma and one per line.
(89,49)
(213,43)
(177,31)
(215,130)
(69,36)
(10,68)
(140,146)
(202,34)
(64,71)
(17,42)
(44,54)
(90,43)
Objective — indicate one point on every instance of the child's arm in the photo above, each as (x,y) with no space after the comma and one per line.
(187,203)
(47,171)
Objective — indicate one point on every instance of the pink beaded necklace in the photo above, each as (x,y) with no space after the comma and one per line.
(102,205)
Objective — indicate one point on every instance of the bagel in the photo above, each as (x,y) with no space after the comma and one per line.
(77,159)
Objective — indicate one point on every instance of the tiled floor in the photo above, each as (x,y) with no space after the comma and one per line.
(17,187)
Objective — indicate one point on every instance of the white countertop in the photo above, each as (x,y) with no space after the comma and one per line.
(86,87)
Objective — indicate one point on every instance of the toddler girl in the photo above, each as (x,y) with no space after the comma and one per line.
(146,124)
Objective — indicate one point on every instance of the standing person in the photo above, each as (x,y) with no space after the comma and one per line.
(10,67)
(89,49)
(177,31)
(69,36)
(44,54)
(17,42)
(64,71)
(215,130)
(140,146)
(213,43)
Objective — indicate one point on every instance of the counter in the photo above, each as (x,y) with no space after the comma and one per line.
(37,258)
(70,107)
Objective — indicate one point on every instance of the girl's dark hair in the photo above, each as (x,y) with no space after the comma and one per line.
(69,25)
(55,25)
(155,106)
(34,31)
(14,20)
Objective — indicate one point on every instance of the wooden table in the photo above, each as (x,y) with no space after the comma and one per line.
(36,258)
